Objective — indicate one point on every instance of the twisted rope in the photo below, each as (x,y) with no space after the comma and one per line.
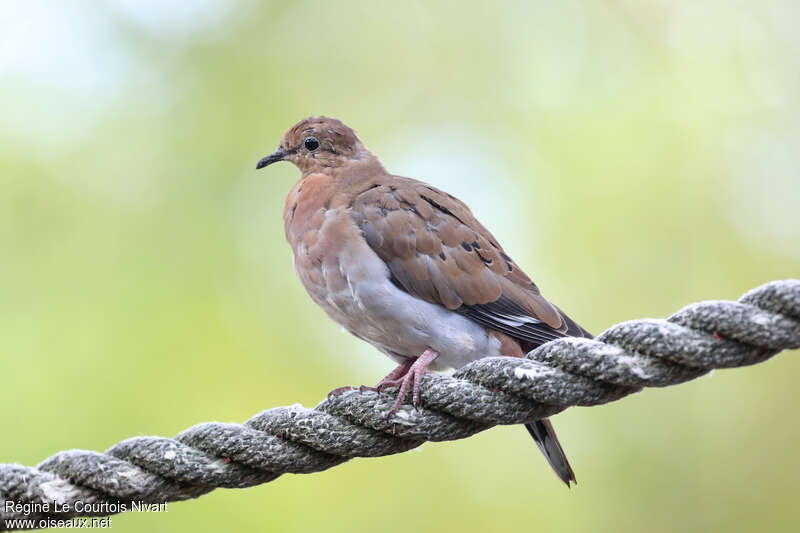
(487,392)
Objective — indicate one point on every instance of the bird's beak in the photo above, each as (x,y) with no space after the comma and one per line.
(274,157)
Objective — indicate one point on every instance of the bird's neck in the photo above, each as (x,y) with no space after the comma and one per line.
(352,171)
(326,188)
(357,171)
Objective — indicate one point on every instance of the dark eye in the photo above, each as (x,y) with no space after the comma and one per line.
(311,144)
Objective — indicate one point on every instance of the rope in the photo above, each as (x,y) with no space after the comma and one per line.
(491,391)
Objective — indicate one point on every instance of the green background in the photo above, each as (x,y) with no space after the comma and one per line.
(633,157)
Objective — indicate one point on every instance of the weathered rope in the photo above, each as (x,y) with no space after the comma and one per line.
(491,391)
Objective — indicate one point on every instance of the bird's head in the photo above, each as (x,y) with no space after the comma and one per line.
(318,144)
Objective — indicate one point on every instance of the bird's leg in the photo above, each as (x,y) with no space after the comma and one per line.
(391,377)
(405,378)
(389,380)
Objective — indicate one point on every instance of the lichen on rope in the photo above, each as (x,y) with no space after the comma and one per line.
(497,390)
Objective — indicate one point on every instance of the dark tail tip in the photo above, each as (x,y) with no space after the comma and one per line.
(545,436)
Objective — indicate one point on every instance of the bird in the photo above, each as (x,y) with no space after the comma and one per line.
(408,268)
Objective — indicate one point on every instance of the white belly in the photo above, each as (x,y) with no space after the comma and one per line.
(359,295)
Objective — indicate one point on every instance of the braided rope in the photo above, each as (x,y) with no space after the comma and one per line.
(487,392)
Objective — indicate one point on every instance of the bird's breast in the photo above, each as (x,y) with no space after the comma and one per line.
(345,277)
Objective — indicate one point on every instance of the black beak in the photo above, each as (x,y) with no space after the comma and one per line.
(274,157)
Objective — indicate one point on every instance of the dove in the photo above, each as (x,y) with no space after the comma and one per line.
(408,268)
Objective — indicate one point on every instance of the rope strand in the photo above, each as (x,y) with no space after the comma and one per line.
(491,391)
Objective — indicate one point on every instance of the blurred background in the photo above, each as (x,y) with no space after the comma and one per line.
(633,157)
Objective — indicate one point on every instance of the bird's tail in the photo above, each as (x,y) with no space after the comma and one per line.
(545,436)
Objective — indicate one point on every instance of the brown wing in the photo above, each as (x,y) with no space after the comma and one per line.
(436,250)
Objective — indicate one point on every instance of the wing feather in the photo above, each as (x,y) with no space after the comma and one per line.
(436,250)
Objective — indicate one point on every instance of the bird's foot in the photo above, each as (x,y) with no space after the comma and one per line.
(408,374)
(339,390)
(391,377)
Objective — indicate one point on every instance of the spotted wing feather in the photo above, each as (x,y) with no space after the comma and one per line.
(436,250)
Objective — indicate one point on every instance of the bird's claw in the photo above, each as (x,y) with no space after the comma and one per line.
(407,376)
(340,390)
(413,377)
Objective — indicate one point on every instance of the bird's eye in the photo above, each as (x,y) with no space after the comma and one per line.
(311,144)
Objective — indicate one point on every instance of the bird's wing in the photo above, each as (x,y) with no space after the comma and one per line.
(436,250)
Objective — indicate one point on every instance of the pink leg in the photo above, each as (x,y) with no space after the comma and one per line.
(413,375)
(401,370)
(390,378)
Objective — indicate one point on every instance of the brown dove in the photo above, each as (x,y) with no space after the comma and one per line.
(408,268)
